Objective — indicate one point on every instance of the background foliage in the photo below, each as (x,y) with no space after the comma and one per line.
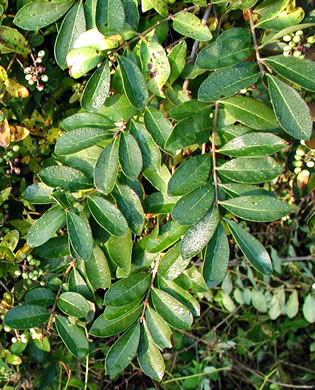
(157,214)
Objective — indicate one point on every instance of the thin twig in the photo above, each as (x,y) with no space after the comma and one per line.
(141,35)
(194,49)
(252,29)
(146,300)
(213,151)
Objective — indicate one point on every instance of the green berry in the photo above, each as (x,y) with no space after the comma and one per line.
(300,152)
(286,48)
(299,33)
(297,39)
(24,275)
(37,263)
(287,53)
(16,148)
(297,170)
(10,154)
(310,164)
(297,163)
(29,257)
(287,38)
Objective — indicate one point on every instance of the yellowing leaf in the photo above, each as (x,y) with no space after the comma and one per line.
(16,89)
(5,133)
(18,133)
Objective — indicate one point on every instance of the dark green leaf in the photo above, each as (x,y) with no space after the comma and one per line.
(250,112)
(86,119)
(106,169)
(177,60)
(130,156)
(295,70)
(181,295)
(107,215)
(158,203)
(83,138)
(80,235)
(73,304)
(258,208)
(193,206)
(190,108)
(231,47)
(130,205)
(158,126)
(38,193)
(67,178)
(110,16)
(236,189)
(191,26)
(253,145)
(44,227)
(97,89)
(117,108)
(97,269)
(159,329)
(216,258)
(192,279)
(192,174)
(150,151)
(169,234)
(252,249)
(73,337)
(193,130)
(39,13)
(227,82)
(102,327)
(122,351)
(291,110)
(199,234)
(79,285)
(54,248)
(120,249)
(250,170)
(113,312)
(149,357)
(127,290)
(26,317)
(171,310)
(72,26)
(133,82)
(40,296)
(172,263)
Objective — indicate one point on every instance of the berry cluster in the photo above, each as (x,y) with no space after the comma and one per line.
(304,158)
(31,269)
(34,73)
(11,158)
(297,44)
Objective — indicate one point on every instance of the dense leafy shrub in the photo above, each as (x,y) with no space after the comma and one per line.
(146,171)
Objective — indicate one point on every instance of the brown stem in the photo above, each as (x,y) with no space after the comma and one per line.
(57,296)
(253,31)
(213,151)
(194,49)
(146,300)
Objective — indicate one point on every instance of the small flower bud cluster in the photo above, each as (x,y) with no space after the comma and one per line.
(34,73)
(297,44)
(248,91)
